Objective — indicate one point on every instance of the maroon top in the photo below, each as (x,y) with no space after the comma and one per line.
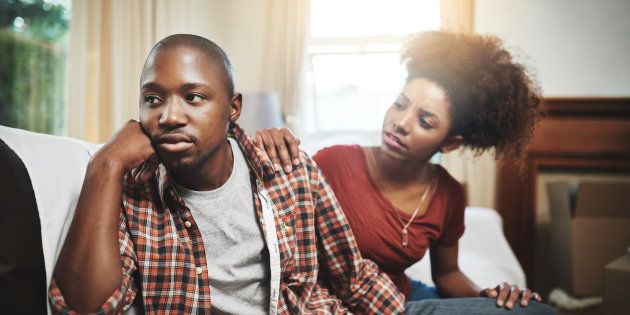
(373,218)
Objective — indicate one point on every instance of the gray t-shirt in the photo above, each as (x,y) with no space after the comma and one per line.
(238,262)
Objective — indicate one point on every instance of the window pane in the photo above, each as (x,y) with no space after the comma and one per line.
(33,44)
(353,91)
(353,18)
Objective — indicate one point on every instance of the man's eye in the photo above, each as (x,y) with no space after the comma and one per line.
(150,99)
(192,98)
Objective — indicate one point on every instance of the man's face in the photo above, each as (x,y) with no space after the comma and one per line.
(184,107)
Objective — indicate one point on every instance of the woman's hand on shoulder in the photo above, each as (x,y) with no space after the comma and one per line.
(281,146)
(507,295)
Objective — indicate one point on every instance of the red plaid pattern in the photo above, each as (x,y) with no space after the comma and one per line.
(321,270)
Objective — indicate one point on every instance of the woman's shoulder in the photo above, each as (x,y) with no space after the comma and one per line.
(337,152)
(448,183)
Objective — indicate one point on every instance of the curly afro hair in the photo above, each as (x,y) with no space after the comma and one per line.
(494,103)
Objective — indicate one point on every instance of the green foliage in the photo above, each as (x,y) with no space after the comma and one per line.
(43,20)
(32,65)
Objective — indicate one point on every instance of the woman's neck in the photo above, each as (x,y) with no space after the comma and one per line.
(400,172)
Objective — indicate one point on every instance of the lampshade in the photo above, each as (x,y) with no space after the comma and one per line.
(260,110)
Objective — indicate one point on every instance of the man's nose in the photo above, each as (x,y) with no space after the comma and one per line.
(173,115)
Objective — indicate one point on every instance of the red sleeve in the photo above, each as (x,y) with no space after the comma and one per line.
(454,220)
(324,157)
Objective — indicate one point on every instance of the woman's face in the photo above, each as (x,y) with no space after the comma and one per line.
(418,123)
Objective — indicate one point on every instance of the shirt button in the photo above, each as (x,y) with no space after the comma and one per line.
(199,270)
(187,224)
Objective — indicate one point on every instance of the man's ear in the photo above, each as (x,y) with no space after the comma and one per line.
(236,104)
(451,143)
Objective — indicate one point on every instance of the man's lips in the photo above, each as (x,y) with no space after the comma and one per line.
(174,143)
(393,141)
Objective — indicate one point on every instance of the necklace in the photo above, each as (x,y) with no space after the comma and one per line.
(405,238)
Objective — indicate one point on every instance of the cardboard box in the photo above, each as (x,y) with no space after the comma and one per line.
(617,286)
(588,235)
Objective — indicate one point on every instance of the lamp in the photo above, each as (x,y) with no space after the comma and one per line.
(260,110)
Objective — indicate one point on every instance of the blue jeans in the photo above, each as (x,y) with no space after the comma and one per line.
(424,299)
(421,291)
(473,306)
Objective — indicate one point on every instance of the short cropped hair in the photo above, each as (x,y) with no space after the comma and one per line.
(214,52)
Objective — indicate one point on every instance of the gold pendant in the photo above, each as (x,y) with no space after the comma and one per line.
(404,238)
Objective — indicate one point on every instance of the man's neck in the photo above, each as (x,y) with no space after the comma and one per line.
(210,175)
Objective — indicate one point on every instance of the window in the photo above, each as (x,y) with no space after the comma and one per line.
(353,60)
(33,44)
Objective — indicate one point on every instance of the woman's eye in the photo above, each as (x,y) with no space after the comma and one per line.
(398,105)
(425,124)
(192,98)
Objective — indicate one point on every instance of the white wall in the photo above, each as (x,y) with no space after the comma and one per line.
(576,47)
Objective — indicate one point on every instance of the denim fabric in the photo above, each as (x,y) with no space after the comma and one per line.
(421,291)
(473,306)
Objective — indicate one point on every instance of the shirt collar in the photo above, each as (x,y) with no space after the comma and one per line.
(257,161)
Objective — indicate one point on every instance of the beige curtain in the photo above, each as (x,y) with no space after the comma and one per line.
(287,28)
(109,43)
(477,173)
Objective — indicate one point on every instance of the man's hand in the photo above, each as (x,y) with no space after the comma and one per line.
(507,295)
(281,147)
(129,150)
(89,266)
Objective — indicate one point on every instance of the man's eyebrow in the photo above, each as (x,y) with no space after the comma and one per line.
(152,86)
(193,85)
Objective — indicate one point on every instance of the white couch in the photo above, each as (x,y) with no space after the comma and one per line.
(56,166)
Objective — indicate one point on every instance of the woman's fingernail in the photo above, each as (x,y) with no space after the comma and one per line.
(287,168)
(500,303)
(508,305)
(296,161)
(277,167)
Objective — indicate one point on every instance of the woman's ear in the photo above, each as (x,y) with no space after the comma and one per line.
(451,143)
(236,104)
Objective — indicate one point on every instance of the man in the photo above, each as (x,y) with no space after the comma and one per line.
(214,229)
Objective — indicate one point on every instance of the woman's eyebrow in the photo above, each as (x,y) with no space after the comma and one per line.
(404,97)
(425,112)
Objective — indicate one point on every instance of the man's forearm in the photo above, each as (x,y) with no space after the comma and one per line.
(89,269)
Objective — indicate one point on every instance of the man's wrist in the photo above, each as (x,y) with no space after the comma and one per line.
(107,165)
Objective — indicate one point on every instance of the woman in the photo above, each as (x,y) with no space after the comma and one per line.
(461,90)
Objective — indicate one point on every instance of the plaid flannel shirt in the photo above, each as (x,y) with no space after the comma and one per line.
(316,266)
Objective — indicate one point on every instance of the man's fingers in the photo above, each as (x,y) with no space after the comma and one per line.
(281,150)
(151,165)
(140,169)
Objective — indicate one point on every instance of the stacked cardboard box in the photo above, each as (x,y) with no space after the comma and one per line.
(587,236)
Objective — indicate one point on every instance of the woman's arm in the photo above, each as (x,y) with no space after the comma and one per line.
(452,282)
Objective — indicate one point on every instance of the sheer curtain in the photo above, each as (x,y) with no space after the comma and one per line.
(477,173)
(286,32)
